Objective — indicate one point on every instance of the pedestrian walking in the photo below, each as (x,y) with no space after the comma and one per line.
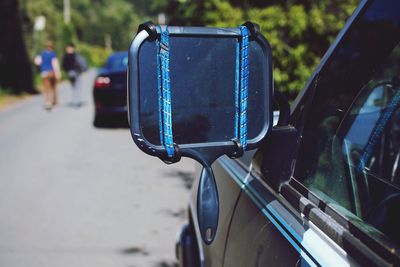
(50,73)
(74,64)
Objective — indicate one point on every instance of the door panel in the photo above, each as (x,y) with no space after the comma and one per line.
(228,193)
(265,228)
(255,241)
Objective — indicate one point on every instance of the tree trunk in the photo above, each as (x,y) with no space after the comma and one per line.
(15,66)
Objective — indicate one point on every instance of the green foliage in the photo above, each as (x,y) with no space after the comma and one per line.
(100,19)
(97,23)
(299,31)
(37,79)
(222,14)
(96,56)
(68,34)
(32,9)
(4,92)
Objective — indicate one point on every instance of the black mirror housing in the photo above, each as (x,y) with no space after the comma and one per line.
(204,73)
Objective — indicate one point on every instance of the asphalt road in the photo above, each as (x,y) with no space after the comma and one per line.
(74,195)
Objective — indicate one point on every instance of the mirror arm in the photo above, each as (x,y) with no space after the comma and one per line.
(150,28)
(284,109)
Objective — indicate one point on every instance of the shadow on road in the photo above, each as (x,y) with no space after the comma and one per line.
(166,264)
(181,213)
(75,106)
(186,177)
(111,121)
(134,250)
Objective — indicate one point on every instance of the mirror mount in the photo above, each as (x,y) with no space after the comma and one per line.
(201,93)
(284,108)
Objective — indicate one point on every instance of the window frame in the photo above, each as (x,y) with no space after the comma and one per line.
(294,190)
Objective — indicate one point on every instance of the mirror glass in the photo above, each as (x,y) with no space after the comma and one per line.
(202,74)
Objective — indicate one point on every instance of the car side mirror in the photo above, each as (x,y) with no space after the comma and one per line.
(199,92)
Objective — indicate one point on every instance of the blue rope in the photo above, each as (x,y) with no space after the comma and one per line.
(164,90)
(241,86)
(377,132)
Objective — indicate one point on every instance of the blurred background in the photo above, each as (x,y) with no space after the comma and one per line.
(299,31)
(74,189)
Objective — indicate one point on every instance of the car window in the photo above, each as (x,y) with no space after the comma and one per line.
(117,62)
(351,154)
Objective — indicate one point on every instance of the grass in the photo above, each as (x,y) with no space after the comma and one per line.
(37,80)
(3,93)
(7,98)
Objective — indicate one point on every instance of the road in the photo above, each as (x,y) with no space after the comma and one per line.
(74,195)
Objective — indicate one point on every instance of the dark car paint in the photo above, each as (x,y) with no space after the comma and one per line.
(111,101)
(112,98)
(260,225)
(228,192)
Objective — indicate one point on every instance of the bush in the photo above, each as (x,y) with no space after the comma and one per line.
(96,56)
(299,31)
(4,91)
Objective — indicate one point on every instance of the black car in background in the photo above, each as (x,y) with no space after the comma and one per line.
(109,91)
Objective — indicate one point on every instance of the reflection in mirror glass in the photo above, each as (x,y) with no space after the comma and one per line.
(202,72)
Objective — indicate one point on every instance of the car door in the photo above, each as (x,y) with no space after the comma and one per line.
(340,205)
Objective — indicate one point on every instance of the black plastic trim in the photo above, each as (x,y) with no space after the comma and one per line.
(150,28)
(382,247)
(339,234)
(205,153)
(284,109)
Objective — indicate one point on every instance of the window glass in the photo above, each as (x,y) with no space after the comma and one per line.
(202,81)
(117,61)
(351,152)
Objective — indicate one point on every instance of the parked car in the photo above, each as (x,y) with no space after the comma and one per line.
(323,187)
(109,91)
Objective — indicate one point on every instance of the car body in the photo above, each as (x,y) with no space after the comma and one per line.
(323,190)
(109,90)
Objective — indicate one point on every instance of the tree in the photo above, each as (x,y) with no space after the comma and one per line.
(115,18)
(15,68)
(299,31)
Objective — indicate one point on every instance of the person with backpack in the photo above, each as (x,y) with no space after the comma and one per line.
(74,64)
(50,72)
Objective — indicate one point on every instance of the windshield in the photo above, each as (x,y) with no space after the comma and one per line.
(117,62)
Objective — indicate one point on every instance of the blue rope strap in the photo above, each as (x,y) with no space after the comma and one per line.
(241,86)
(164,93)
(164,90)
(378,130)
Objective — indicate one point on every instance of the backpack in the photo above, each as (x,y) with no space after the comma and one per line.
(81,63)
